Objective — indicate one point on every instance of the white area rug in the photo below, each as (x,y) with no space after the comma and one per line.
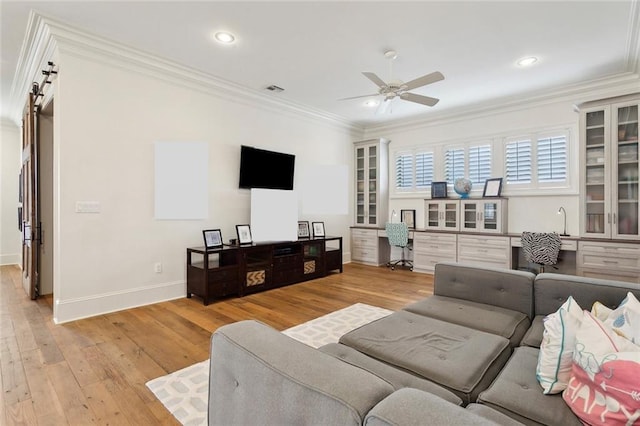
(185,392)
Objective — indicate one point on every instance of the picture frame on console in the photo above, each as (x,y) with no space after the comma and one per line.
(438,190)
(244,234)
(212,238)
(492,187)
(408,217)
(318,229)
(303,229)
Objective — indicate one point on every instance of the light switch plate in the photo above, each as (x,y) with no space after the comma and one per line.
(87,206)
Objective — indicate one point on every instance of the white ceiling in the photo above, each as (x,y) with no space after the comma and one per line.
(317,51)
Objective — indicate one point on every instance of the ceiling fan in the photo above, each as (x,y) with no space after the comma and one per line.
(398,89)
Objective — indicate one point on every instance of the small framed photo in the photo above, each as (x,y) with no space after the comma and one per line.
(303,229)
(408,217)
(212,238)
(318,229)
(438,189)
(244,234)
(492,187)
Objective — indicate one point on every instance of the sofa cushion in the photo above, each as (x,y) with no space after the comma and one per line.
(516,393)
(398,378)
(505,288)
(491,414)
(492,319)
(533,336)
(459,358)
(414,407)
(551,291)
(258,374)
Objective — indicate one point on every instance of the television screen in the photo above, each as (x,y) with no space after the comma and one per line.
(260,168)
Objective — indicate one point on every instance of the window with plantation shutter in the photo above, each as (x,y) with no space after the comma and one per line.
(479,163)
(424,169)
(404,171)
(454,164)
(518,162)
(552,159)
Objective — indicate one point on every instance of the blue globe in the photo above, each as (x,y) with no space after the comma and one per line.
(462,186)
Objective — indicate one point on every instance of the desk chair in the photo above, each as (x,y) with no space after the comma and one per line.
(541,248)
(398,235)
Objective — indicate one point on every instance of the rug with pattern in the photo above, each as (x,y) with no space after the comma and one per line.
(185,392)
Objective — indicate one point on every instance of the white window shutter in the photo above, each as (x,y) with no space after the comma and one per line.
(518,161)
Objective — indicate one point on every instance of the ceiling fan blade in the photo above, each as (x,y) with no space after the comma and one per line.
(377,80)
(357,97)
(424,100)
(424,80)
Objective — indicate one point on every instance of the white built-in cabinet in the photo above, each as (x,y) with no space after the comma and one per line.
(610,169)
(483,215)
(442,215)
(430,248)
(371,164)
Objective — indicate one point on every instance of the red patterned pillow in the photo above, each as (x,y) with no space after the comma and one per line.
(604,388)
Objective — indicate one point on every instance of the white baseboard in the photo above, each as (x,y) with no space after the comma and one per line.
(10,259)
(84,307)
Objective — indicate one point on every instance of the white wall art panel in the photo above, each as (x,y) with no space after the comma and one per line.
(274,215)
(325,190)
(181,180)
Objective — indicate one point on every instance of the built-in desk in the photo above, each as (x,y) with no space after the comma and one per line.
(589,257)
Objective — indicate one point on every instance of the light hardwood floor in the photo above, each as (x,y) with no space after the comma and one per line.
(93,371)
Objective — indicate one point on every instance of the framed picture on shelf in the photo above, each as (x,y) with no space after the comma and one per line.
(408,217)
(318,229)
(492,187)
(438,189)
(212,238)
(244,234)
(303,229)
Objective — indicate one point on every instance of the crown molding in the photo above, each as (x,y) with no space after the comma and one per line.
(47,31)
(38,47)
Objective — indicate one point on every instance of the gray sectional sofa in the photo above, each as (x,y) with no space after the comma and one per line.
(466,355)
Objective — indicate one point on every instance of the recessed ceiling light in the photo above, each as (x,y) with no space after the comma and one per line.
(371,103)
(224,37)
(525,62)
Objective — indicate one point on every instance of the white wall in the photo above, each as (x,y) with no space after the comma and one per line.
(107,119)
(531,213)
(10,158)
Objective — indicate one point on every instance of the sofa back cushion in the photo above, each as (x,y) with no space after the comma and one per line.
(505,288)
(552,290)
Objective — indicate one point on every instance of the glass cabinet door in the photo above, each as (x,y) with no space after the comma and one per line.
(433,215)
(470,215)
(360,186)
(626,169)
(450,216)
(490,216)
(373,185)
(596,173)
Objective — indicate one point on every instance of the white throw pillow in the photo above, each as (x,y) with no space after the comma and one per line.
(556,350)
(625,319)
(600,311)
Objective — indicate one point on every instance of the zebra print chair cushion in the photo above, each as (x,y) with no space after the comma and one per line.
(541,247)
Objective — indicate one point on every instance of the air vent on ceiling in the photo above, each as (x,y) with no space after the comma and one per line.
(275,88)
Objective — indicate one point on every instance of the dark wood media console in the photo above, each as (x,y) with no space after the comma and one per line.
(245,269)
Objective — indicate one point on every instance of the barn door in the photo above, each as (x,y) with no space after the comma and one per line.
(30,199)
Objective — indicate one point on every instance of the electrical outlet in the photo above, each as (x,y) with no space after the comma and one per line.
(157,268)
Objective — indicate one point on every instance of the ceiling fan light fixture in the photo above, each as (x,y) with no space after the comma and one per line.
(525,62)
(224,37)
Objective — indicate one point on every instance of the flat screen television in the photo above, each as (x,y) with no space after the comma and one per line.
(260,168)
